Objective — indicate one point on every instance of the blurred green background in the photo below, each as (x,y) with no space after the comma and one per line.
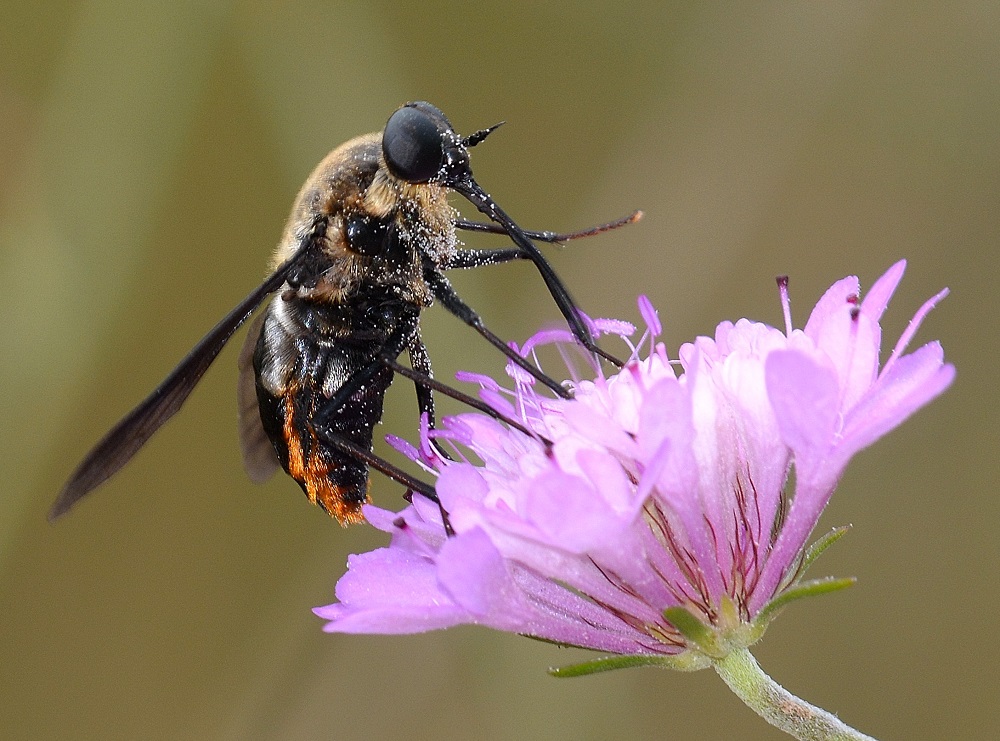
(149,153)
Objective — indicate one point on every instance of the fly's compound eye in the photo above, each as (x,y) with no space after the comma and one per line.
(413,143)
(372,237)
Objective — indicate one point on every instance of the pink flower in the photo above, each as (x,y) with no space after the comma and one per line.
(658,488)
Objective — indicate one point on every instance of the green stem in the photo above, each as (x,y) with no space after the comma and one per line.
(778,706)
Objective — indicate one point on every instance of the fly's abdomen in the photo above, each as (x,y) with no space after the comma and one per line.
(335,481)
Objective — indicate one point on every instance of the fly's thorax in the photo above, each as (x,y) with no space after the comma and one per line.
(423,217)
(339,179)
(376,229)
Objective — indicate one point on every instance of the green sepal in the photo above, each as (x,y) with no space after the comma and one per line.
(816,549)
(810,588)
(687,661)
(806,559)
(694,630)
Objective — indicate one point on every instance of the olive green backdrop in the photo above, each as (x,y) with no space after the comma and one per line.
(148,155)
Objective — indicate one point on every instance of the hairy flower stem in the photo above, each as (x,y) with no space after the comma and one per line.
(776,705)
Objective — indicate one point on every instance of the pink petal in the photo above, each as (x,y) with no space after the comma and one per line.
(912,327)
(390,591)
(569,511)
(830,306)
(877,298)
(805,397)
(473,572)
(913,381)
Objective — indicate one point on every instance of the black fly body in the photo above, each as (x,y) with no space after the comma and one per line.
(364,252)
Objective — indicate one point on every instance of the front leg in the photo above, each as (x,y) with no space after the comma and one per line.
(423,380)
(445,293)
(465,259)
(420,361)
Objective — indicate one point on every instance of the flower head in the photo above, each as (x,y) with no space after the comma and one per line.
(648,514)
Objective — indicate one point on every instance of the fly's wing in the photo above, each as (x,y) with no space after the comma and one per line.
(259,458)
(126,438)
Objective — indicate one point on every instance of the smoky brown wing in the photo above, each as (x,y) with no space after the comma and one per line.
(259,458)
(126,438)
